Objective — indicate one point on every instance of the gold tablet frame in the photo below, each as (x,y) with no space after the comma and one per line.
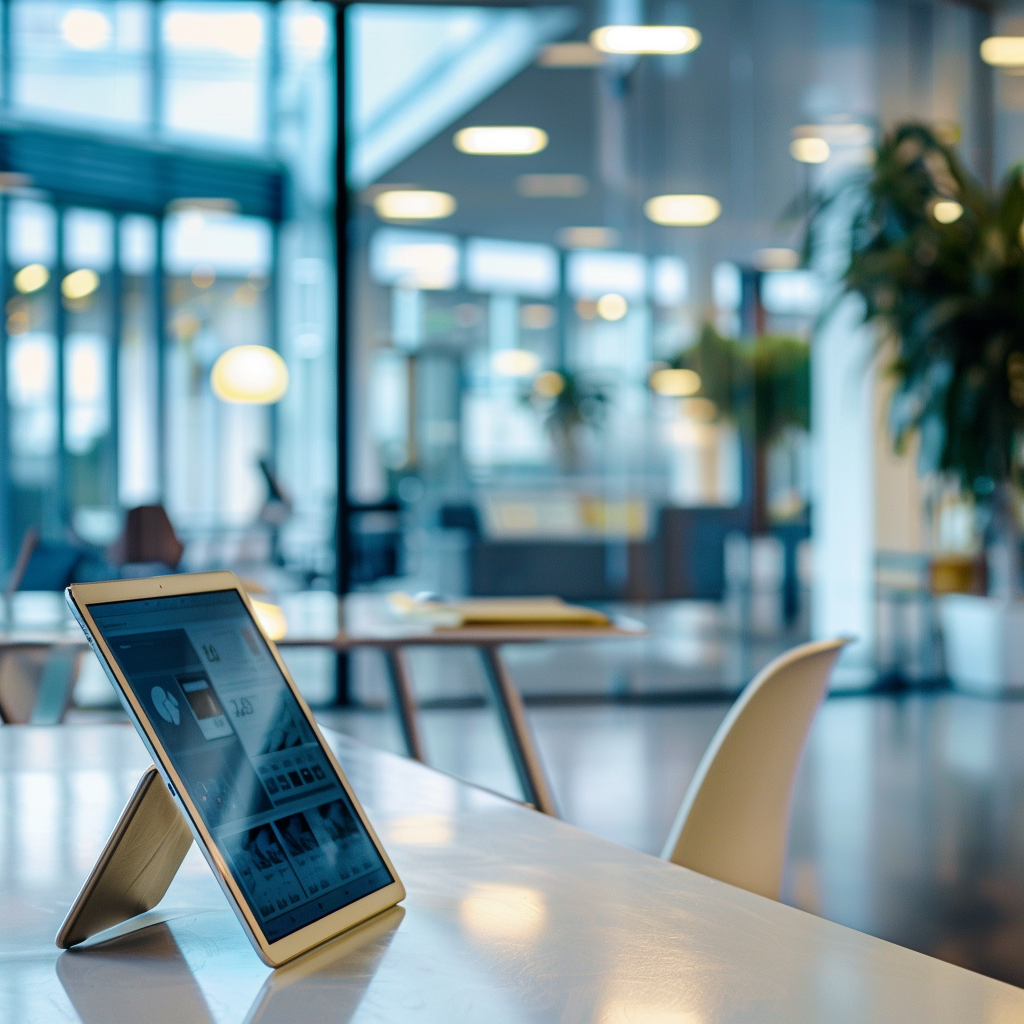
(141,819)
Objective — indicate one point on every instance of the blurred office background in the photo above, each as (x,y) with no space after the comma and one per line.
(581,356)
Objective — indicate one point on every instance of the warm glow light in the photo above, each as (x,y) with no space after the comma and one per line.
(628,1010)
(645,39)
(503,912)
(203,275)
(501,140)
(250,374)
(80,283)
(588,238)
(85,29)
(420,830)
(776,259)
(570,55)
(946,211)
(810,150)
(683,210)
(537,316)
(515,362)
(411,204)
(612,306)
(549,384)
(239,33)
(676,383)
(31,278)
(1003,51)
(271,619)
(308,32)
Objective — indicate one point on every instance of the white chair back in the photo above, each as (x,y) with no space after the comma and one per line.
(734,819)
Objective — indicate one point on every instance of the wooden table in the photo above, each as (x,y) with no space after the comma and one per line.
(511,917)
(320,619)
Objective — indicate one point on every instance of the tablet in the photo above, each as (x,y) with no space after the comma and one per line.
(241,754)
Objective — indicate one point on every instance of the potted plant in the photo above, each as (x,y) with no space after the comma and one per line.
(938,261)
(569,404)
(763,385)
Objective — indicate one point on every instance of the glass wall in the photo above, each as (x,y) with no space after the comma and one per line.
(168,196)
(581,347)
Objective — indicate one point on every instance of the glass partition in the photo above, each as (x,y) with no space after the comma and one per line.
(168,198)
(581,340)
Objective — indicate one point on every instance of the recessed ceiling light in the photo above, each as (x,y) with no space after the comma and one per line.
(552,186)
(501,140)
(810,150)
(645,39)
(414,205)
(1003,51)
(683,210)
(588,238)
(570,55)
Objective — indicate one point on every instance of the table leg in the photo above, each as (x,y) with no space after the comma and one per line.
(405,703)
(521,743)
(56,684)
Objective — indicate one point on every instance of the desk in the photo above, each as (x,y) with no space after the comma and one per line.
(320,619)
(510,917)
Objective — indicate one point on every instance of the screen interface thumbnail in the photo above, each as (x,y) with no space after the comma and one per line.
(250,761)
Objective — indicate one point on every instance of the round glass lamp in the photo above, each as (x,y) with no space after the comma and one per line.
(249,374)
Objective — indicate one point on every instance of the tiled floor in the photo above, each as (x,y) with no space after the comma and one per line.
(908,819)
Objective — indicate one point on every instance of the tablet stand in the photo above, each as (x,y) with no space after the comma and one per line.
(138,863)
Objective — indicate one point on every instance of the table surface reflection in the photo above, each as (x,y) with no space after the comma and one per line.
(511,916)
(310,618)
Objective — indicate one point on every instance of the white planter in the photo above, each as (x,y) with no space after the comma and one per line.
(984,643)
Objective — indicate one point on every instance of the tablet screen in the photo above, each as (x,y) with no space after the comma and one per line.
(252,765)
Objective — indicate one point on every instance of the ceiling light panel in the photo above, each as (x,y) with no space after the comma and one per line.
(683,210)
(501,140)
(639,39)
(414,205)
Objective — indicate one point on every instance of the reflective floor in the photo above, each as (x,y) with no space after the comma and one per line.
(908,820)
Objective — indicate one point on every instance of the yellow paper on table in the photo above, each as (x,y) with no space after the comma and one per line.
(498,611)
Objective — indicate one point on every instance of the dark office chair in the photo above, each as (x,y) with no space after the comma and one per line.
(43,566)
(148,545)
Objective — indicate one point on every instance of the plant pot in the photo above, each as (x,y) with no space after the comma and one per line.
(984,643)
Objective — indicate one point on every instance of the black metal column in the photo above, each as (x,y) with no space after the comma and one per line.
(114,363)
(160,340)
(7,539)
(61,516)
(343,541)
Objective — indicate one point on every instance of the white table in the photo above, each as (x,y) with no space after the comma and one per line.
(42,622)
(511,916)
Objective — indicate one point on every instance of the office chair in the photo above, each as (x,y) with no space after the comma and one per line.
(148,545)
(734,819)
